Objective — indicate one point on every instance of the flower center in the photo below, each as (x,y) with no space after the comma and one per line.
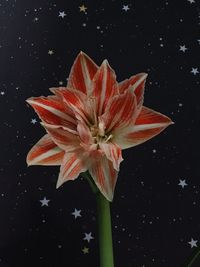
(99,135)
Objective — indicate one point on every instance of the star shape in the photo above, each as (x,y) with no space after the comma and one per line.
(2,93)
(62,14)
(88,237)
(125,8)
(183,48)
(82,8)
(194,71)
(193,243)
(44,202)
(33,121)
(85,250)
(36,19)
(76,213)
(182,183)
(50,52)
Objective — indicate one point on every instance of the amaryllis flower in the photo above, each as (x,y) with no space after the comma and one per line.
(90,121)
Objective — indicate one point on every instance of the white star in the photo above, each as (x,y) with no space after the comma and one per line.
(33,121)
(36,19)
(60,82)
(193,243)
(191,1)
(125,8)
(50,52)
(182,183)
(62,14)
(44,202)
(88,237)
(76,213)
(2,93)
(183,48)
(194,71)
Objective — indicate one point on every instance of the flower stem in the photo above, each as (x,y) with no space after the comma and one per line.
(194,258)
(105,232)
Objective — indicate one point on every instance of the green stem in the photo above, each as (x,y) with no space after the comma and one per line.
(194,258)
(105,232)
(87,176)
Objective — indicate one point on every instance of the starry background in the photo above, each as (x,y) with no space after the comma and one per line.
(155,212)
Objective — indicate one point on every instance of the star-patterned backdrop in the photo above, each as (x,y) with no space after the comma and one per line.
(155,212)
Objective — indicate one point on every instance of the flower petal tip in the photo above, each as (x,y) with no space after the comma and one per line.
(59,183)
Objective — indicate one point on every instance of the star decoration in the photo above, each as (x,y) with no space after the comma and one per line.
(2,93)
(194,71)
(50,52)
(182,183)
(193,243)
(183,48)
(33,121)
(36,19)
(82,8)
(76,213)
(125,8)
(88,237)
(85,250)
(44,202)
(62,14)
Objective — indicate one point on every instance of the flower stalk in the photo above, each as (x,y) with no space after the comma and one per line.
(105,232)
(104,225)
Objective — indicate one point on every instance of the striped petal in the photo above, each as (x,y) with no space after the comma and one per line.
(104,176)
(104,86)
(137,84)
(78,102)
(62,137)
(84,133)
(82,72)
(120,113)
(148,124)
(73,164)
(113,152)
(51,110)
(45,152)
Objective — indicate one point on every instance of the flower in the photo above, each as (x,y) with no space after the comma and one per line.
(90,121)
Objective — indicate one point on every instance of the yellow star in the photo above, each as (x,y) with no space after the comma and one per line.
(82,8)
(85,250)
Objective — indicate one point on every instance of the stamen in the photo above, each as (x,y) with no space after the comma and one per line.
(108,138)
(101,129)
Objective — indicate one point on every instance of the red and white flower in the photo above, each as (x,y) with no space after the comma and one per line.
(90,121)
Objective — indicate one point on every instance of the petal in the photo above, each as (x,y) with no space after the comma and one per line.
(45,152)
(104,86)
(81,74)
(148,124)
(73,164)
(51,110)
(104,176)
(121,111)
(137,84)
(113,152)
(62,137)
(84,133)
(78,102)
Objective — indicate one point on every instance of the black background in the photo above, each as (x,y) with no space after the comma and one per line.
(153,217)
